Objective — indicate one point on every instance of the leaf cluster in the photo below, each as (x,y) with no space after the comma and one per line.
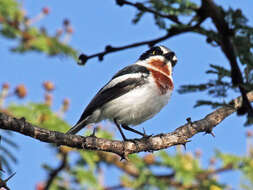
(14,24)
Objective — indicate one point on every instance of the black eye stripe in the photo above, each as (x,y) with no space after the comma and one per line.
(169,55)
(158,51)
(153,51)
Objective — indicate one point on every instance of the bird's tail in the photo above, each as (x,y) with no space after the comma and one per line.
(77,127)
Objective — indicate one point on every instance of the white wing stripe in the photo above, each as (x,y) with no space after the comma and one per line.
(121,78)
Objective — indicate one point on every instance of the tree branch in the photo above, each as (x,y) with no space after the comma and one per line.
(161,141)
(110,49)
(141,7)
(210,9)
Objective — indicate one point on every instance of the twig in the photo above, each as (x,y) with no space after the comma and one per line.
(206,174)
(3,183)
(141,7)
(54,173)
(115,187)
(161,141)
(110,49)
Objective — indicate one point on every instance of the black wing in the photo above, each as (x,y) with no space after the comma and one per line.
(131,69)
(107,94)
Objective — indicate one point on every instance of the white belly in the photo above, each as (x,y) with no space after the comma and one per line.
(136,106)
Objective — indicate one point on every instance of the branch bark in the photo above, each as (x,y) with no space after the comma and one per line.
(161,141)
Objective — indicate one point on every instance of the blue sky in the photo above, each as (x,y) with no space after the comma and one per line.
(97,24)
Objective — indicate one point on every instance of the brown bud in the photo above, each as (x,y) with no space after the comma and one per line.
(1,19)
(249,133)
(149,159)
(198,153)
(48,85)
(48,99)
(212,161)
(5,86)
(21,91)
(27,36)
(40,186)
(59,32)
(42,118)
(69,30)
(66,103)
(46,10)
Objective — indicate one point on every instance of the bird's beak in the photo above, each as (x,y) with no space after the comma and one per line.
(174,61)
(170,56)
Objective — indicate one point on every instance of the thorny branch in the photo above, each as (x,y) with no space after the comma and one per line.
(161,141)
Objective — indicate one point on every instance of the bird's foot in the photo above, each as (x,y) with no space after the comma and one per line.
(144,135)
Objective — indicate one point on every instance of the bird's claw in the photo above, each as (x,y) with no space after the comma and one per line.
(145,135)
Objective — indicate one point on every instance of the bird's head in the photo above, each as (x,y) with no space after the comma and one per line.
(159,56)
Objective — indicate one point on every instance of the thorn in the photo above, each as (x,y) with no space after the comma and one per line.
(145,136)
(144,132)
(6,180)
(189,120)
(209,131)
(212,134)
(94,132)
(123,157)
(184,144)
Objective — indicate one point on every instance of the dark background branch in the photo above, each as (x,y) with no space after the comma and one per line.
(110,49)
(141,7)
(54,173)
(210,9)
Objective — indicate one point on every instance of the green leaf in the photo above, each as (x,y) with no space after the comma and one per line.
(39,114)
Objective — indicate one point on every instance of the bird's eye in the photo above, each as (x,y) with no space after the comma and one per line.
(157,52)
(152,52)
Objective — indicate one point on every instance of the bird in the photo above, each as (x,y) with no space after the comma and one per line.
(134,94)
